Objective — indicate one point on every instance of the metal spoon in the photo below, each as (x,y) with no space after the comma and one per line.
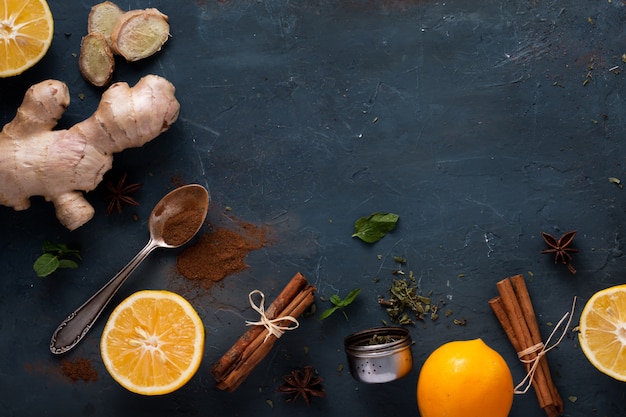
(173,222)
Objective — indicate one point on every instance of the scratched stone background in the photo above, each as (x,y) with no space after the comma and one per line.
(480,123)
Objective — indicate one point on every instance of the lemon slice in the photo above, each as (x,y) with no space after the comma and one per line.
(153,342)
(26,29)
(603,331)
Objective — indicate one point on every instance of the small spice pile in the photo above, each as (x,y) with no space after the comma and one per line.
(220,253)
(79,369)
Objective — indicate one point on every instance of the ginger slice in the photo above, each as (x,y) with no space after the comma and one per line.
(102,18)
(139,34)
(96,61)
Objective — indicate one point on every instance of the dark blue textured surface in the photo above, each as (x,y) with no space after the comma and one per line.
(469,119)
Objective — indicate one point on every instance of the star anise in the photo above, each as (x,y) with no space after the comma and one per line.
(561,248)
(121,194)
(303,383)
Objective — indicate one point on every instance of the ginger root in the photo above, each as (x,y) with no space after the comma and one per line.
(60,164)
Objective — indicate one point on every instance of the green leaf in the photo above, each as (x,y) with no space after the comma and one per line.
(335,299)
(374,227)
(328,312)
(64,250)
(49,247)
(339,303)
(67,263)
(63,247)
(75,253)
(55,257)
(351,296)
(46,264)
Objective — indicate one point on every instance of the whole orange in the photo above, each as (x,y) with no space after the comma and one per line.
(465,379)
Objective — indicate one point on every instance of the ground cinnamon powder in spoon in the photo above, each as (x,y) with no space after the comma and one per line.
(181,226)
(220,252)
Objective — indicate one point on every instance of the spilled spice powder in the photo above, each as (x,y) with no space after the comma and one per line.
(220,253)
(79,369)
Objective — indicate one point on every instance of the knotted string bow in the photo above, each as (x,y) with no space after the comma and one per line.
(272,326)
(541,350)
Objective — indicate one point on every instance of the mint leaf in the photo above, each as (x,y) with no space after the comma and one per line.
(328,312)
(374,227)
(48,246)
(340,303)
(63,250)
(351,296)
(55,256)
(46,264)
(67,263)
(335,299)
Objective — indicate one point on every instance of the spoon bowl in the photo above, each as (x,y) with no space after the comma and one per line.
(179,215)
(174,221)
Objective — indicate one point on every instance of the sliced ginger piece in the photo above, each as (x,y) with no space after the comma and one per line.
(139,34)
(102,19)
(96,61)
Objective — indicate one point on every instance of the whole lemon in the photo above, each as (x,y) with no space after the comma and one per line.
(465,379)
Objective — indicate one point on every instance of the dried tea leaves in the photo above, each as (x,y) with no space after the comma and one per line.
(404,299)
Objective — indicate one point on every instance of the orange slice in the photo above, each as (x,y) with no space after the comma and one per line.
(26,29)
(603,331)
(153,342)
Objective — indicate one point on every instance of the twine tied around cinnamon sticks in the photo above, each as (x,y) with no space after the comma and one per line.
(256,343)
(272,325)
(541,349)
(514,310)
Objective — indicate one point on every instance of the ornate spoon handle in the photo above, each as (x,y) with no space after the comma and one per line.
(76,325)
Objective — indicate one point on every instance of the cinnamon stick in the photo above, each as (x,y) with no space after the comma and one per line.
(513,309)
(516,317)
(261,338)
(259,349)
(254,345)
(286,296)
(519,285)
(498,308)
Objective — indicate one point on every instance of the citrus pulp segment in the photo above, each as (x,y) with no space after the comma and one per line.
(26,29)
(153,342)
(603,331)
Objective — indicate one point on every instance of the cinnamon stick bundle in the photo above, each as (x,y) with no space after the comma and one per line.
(514,310)
(254,345)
